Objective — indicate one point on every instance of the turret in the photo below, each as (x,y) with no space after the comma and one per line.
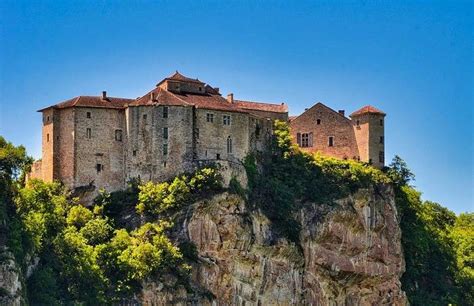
(368,123)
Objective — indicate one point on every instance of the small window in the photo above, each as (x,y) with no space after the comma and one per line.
(134,153)
(229,145)
(226,120)
(304,140)
(218,156)
(318,122)
(165,149)
(99,167)
(118,135)
(164,164)
(200,88)
(381,122)
(257,130)
(358,122)
(381,156)
(88,115)
(165,133)
(165,111)
(47,137)
(89,133)
(210,117)
(331,141)
(381,139)
(145,116)
(47,118)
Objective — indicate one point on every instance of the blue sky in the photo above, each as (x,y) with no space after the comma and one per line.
(413,60)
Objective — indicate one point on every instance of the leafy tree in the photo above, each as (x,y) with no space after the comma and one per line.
(399,172)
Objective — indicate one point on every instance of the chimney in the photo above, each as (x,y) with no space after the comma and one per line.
(152,96)
(305,109)
(230,98)
(342,112)
(216,89)
(104,95)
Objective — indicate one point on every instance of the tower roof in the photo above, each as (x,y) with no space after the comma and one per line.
(181,78)
(368,109)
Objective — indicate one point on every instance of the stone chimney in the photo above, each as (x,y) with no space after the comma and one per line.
(152,96)
(342,112)
(104,95)
(230,98)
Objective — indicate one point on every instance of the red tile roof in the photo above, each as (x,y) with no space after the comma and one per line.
(208,101)
(179,77)
(367,109)
(162,97)
(92,101)
(259,106)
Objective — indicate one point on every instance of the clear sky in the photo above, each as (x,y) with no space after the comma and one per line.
(413,60)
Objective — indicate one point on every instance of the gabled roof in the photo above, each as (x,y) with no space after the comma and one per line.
(161,97)
(181,78)
(92,101)
(259,106)
(367,109)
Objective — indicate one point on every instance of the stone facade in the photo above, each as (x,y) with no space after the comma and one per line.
(103,142)
(360,137)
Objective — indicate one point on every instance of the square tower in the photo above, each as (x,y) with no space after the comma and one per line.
(368,123)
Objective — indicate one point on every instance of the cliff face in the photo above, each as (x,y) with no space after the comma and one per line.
(349,254)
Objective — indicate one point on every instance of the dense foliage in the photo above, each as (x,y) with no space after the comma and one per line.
(87,257)
(438,246)
(284,176)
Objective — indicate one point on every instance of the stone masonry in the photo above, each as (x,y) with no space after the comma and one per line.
(93,142)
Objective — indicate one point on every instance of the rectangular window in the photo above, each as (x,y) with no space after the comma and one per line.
(47,137)
(381,139)
(165,149)
(381,122)
(144,117)
(47,118)
(226,120)
(99,167)
(331,141)
(89,133)
(134,153)
(118,135)
(381,156)
(229,145)
(165,133)
(210,117)
(88,115)
(306,140)
(165,111)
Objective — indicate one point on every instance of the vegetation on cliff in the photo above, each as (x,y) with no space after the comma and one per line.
(86,255)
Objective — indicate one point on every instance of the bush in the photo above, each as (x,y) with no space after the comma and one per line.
(157,198)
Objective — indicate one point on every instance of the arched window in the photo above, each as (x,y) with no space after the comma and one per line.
(229,145)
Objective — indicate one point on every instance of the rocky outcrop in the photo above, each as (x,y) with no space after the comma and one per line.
(349,254)
(10,279)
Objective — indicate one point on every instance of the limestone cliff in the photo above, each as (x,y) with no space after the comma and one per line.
(349,254)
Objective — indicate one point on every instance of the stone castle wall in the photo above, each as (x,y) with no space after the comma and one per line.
(99,157)
(146,139)
(331,124)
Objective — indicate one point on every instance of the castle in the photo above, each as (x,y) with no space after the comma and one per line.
(103,142)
